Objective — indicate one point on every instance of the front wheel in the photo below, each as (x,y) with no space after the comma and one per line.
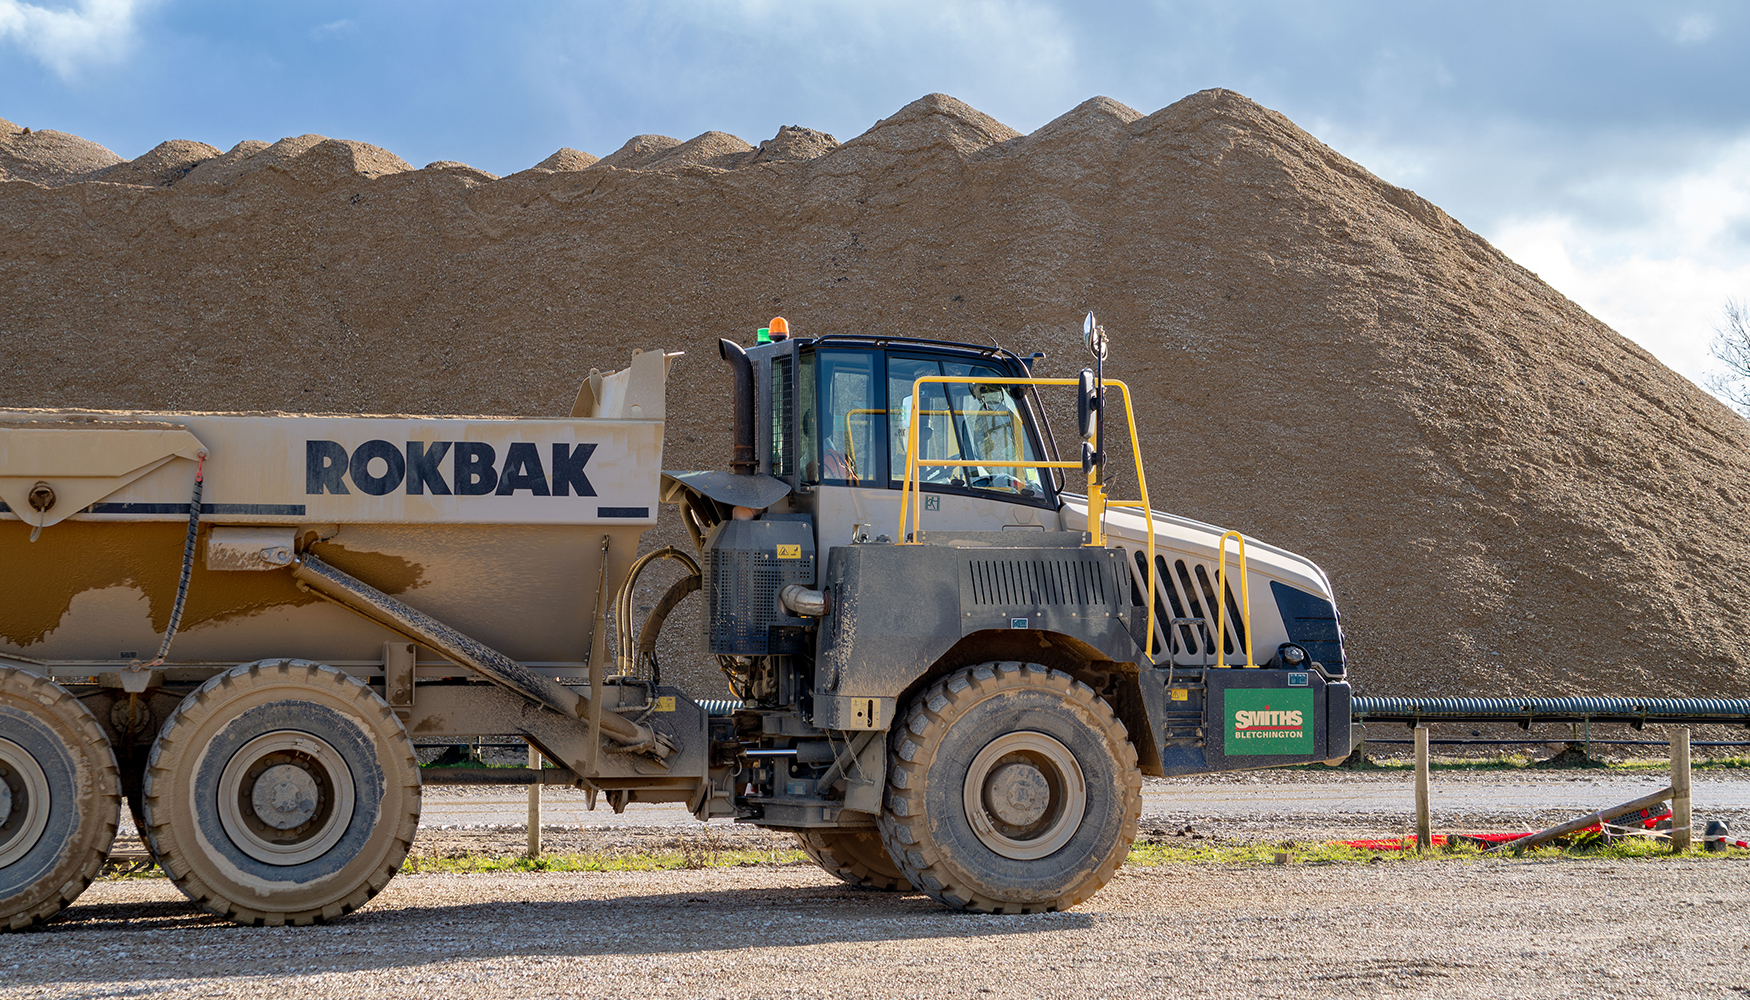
(282,792)
(1012,788)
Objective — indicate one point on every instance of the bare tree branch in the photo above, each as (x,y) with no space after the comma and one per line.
(1731,348)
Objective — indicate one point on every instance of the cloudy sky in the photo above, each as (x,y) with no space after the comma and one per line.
(1605,145)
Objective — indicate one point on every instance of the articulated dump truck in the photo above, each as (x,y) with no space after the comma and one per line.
(953,656)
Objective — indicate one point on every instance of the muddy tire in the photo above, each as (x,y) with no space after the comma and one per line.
(282,792)
(1012,788)
(59,799)
(856,856)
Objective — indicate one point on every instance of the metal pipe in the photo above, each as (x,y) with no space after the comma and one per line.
(1538,742)
(1695,711)
(743,461)
(371,603)
(805,601)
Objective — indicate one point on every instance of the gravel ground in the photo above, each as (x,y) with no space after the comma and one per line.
(1448,928)
(1442,928)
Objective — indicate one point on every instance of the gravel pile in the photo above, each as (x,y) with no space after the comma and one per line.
(1509,497)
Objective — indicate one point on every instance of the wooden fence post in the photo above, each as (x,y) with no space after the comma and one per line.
(535,805)
(1681,820)
(1424,823)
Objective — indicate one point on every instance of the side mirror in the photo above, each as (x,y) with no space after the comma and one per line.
(1094,336)
(1087,404)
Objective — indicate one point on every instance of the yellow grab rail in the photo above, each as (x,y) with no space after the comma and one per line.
(1221,596)
(1097,502)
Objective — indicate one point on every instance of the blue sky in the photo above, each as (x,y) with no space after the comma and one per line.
(1604,145)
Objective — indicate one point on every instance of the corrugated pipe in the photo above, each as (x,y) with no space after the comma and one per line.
(369,602)
(1554,709)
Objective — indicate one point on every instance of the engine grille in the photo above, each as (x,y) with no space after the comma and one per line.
(1188,591)
(1039,582)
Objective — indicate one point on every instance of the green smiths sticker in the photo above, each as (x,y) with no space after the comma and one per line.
(1272,721)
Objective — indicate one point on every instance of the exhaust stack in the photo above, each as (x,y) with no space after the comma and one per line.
(743,461)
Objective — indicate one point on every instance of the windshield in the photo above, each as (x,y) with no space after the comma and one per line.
(858,434)
(975,422)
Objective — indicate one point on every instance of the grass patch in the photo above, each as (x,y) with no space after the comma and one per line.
(1590,848)
(1142,855)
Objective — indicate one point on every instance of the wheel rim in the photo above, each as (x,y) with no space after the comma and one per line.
(285,798)
(24,802)
(1025,795)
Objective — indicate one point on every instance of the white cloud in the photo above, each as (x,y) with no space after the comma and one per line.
(344,26)
(1661,274)
(65,38)
(1694,28)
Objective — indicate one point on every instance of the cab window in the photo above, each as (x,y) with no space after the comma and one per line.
(853,431)
(974,422)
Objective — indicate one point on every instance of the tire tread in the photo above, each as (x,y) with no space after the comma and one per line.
(161,839)
(92,742)
(929,717)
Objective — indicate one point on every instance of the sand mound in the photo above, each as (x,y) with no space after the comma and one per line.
(713,149)
(929,125)
(227,167)
(313,160)
(167,163)
(456,168)
(793,142)
(638,151)
(1509,497)
(566,159)
(47,157)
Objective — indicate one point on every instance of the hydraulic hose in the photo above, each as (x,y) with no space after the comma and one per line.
(623,605)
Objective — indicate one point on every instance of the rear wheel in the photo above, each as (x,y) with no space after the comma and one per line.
(857,856)
(1012,788)
(282,792)
(59,798)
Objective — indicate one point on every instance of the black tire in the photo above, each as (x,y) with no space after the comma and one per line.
(282,792)
(1012,788)
(60,798)
(857,856)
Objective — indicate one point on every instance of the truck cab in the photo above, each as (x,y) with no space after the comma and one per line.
(846,607)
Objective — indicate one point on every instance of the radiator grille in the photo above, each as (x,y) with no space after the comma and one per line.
(1188,591)
(1033,583)
(743,594)
(743,575)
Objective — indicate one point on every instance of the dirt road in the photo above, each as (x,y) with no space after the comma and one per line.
(1446,928)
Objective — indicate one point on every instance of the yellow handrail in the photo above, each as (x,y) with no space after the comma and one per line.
(1097,502)
(1221,595)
